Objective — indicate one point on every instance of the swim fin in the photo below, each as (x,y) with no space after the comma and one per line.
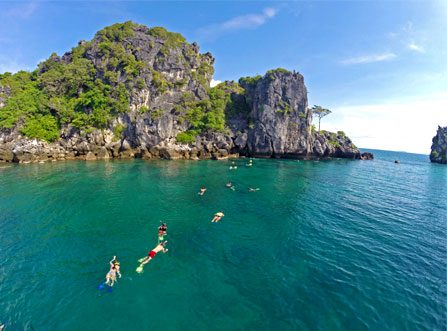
(139,269)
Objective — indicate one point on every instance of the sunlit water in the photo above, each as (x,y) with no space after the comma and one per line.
(337,245)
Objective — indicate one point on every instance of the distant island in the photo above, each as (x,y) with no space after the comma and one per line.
(134,91)
(439,146)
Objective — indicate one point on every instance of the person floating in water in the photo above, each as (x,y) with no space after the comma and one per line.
(159,248)
(162,231)
(202,190)
(230,186)
(250,189)
(114,270)
(250,163)
(233,165)
(217,217)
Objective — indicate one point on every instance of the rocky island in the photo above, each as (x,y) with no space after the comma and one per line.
(439,146)
(134,91)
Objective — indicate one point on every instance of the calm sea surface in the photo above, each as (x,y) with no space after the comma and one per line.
(333,245)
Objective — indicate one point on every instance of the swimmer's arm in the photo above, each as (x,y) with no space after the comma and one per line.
(119,273)
(111,261)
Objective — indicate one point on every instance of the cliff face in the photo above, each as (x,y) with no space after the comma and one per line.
(135,91)
(439,146)
(279,119)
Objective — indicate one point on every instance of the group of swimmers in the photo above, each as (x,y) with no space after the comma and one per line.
(111,276)
(114,271)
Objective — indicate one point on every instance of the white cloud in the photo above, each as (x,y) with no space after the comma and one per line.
(398,125)
(417,48)
(249,21)
(369,58)
(23,10)
(215,82)
(11,66)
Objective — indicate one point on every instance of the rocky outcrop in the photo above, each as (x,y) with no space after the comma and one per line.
(133,91)
(439,146)
(329,144)
(279,121)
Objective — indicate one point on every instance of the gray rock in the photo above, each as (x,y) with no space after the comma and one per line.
(439,146)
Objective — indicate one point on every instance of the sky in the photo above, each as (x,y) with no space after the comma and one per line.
(379,66)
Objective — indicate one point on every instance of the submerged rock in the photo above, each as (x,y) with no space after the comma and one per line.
(439,146)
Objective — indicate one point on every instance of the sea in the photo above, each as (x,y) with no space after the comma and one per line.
(317,245)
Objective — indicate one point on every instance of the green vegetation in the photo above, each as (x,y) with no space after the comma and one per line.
(319,112)
(41,127)
(210,114)
(118,130)
(171,39)
(341,133)
(79,92)
(156,114)
(335,143)
(284,108)
(187,137)
(434,154)
(271,72)
(251,81)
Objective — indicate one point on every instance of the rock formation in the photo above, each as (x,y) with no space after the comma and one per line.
(135,91)
(439,146)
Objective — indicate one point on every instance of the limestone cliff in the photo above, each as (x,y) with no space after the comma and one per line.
(134,91)
(439,146)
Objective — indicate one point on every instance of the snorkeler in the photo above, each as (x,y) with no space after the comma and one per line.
(202,190)
(159,248)
(233,165)
(253,189)
(114,270)
(250,163)
(217,217)
(230,186)
(162,231)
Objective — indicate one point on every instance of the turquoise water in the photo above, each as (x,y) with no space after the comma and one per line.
(338,245)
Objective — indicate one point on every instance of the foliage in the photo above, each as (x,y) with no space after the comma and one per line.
(171,39)
(270,74)
(251,81)
(284,108)
(159,82)
(156,114)
(319,112)
(41,127)
(187,136)
(118,130)
(117,32)
(341,133)
(334,143)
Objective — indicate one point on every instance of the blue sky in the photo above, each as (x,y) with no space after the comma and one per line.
(381,66)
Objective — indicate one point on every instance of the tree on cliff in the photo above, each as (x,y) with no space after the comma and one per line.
(319,112)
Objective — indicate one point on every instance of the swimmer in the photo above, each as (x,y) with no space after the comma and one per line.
(162,231)
(217,217)
(159,248)
(250,163)
(202,190)
(114,270)
(230,186)
(250,189)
